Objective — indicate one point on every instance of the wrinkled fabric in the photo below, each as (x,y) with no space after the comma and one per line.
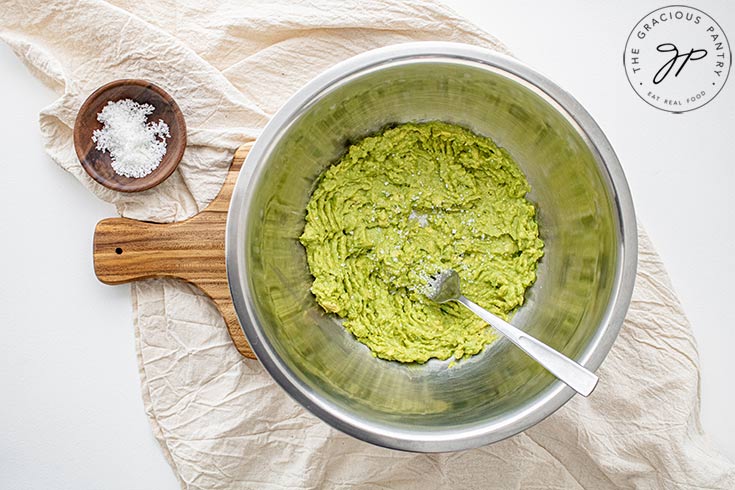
(220,419)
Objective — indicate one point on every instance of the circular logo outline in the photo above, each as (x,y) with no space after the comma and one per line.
(625,54)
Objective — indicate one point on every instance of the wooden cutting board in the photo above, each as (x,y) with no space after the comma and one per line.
(127,250)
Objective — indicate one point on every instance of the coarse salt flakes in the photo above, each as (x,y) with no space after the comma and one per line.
(136,146)
(421,218)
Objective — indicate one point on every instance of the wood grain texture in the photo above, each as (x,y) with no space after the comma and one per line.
(99,164)
(126,250)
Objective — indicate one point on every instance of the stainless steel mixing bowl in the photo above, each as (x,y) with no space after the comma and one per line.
(584,281)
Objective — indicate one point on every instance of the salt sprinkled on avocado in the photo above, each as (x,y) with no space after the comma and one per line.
(407,231)
(421,218)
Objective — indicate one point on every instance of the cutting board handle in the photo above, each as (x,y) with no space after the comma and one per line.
(127,250)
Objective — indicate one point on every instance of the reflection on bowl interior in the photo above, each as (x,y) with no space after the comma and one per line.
(563,309)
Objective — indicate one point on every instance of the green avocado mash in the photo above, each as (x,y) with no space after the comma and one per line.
(404,205)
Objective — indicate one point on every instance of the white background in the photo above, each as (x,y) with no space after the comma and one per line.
(71,414)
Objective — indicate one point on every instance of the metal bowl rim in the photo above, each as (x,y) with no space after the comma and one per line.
(557,394)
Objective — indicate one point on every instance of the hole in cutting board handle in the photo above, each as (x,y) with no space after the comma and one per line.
(118,251)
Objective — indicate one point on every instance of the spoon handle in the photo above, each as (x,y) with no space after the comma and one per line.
(574,375)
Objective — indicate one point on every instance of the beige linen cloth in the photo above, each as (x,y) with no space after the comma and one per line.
(220,419)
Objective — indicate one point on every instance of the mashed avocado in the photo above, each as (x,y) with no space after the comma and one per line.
(402,206)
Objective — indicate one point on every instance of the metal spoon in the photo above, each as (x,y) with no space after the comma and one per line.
(445,287)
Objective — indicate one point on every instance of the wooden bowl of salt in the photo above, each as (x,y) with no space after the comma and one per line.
(130,135)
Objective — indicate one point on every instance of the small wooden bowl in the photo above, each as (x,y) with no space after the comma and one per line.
(99,164)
